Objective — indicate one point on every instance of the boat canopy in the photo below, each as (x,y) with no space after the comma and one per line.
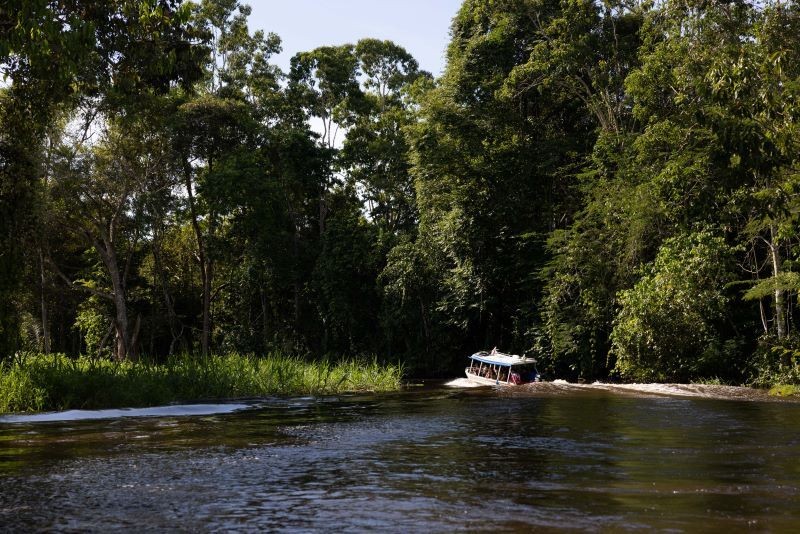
(501,359)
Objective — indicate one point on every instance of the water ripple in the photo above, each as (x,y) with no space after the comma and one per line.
(429,460)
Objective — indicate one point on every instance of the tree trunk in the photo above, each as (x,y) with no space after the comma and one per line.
(264,318)
(764,322)
(121,308)
(205,274)
(121,327)
(158,265)
(204,340)
(105,249)
(45,319)
(775,255)
(133,347)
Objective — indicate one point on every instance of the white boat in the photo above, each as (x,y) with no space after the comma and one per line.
(499,369)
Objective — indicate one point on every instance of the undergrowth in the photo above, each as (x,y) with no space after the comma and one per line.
(776,365)
(36,382)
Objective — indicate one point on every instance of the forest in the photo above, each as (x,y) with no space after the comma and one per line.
(612,187)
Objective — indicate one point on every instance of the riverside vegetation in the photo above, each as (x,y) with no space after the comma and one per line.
(35,382)
(611,186)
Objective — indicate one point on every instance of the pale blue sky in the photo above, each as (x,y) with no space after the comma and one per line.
(421,26)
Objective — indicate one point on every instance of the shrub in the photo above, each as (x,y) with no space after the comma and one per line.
(668,325)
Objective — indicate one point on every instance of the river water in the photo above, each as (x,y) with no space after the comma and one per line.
(432,458)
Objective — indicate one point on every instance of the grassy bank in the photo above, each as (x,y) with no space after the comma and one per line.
(785,390)
(55,382)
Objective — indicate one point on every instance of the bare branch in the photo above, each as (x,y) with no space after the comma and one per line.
(75,285)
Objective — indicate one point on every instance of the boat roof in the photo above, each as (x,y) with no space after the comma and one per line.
(500,358)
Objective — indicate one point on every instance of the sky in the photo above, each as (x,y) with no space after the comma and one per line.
(420,26)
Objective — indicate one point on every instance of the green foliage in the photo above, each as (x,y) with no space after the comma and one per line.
(545,195)
(669,323)
(92,324)
(776,361)
(785,281)
(492,169)
(583,51)
(19,390)
(785,390)
(703,152)
(119,54)
(375,151)
(324,82)
(578,304)
(344,278)
(36,382)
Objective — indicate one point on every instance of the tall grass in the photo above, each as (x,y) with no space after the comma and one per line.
(36,382)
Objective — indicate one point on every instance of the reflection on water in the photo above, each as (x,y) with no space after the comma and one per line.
(431,459)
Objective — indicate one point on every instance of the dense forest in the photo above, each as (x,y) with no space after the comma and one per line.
(609,186)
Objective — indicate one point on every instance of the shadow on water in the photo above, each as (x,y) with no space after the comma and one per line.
(430,458)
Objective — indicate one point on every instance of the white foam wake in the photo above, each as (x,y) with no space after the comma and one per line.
(462,383)
(157,411)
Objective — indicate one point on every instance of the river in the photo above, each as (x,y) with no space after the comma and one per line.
(432,458)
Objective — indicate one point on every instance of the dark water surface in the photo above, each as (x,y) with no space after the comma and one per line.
(429,459)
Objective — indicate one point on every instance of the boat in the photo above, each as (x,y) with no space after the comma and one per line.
(497,368)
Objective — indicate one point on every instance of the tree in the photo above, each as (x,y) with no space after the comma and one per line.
(209,130)
(214,128)
(582,50)
(344,279)
(98,191)
(493,162)
(50,51)
(375,153)
(725,75)
(670,324)
(705,151)
(325,82)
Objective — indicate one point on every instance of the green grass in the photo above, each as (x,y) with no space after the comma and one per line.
(710,381)
(35,382)
(784,390)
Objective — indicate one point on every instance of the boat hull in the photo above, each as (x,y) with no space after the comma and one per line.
(482,380)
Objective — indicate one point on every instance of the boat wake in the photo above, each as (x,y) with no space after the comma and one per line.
(463,383)
(687,390)
(176,410)
(707,391)
(562,387)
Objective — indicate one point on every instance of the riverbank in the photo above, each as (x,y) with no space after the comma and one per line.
(36,382)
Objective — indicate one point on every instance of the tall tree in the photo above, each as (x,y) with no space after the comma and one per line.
(51,51)
(492,165)
(721,79)
(97,191)
(209,130)
(215,126)
(375,153)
